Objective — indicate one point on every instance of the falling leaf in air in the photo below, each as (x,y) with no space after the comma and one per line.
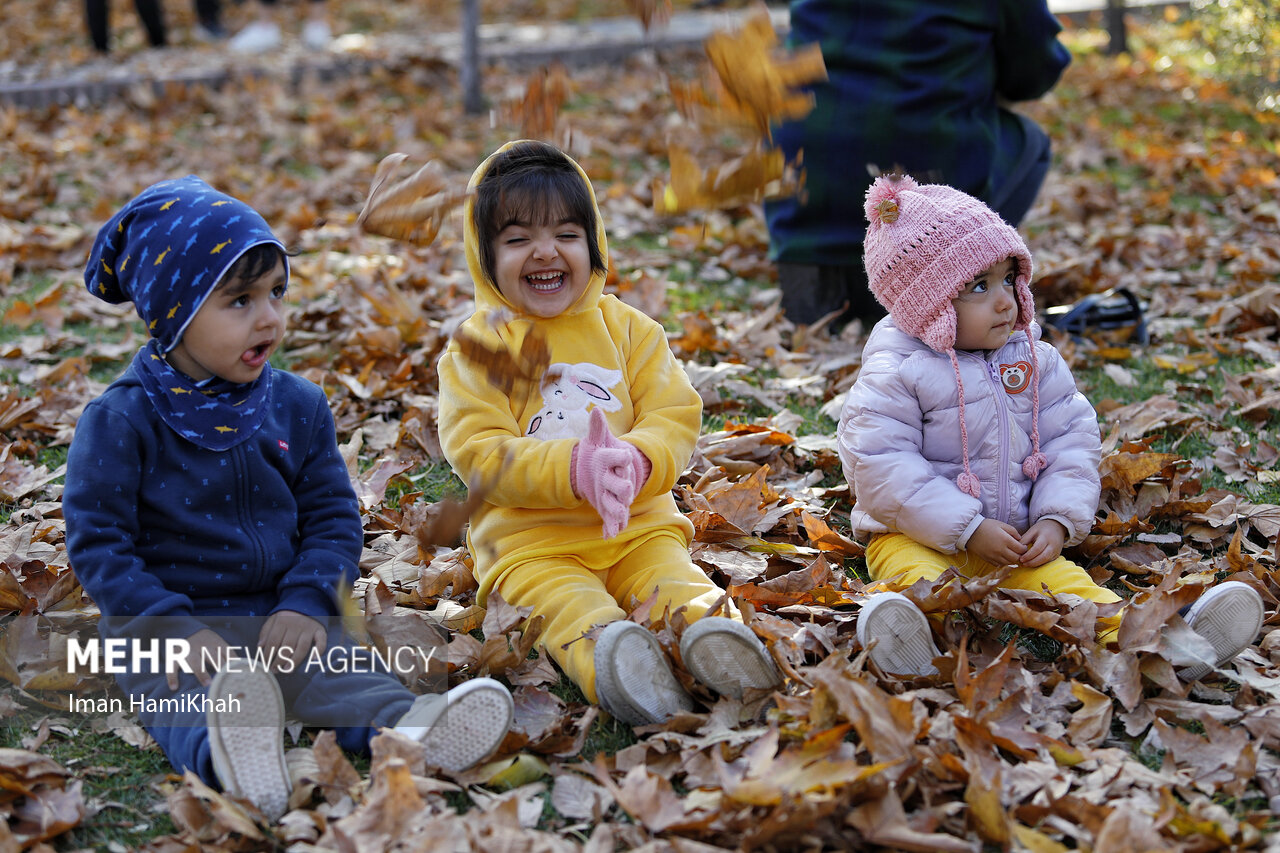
(504,368)
(651,12)
(546,92)
(758,82)
(410,209)
(747,178)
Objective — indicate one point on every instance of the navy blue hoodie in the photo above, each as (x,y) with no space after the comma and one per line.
(166,535)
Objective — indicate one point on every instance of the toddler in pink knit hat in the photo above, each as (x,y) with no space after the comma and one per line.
(964,439)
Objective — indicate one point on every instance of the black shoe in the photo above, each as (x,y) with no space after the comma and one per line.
(811,292)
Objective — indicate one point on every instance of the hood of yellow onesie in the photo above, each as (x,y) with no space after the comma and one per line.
(488,297)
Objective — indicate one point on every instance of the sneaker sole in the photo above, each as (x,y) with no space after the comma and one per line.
(246,739)
(728,657)
(647,692)
(1229,616)
(897,635)
(471,725)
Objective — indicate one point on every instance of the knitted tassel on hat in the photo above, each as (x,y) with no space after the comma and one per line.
(1037,461)
(968,481)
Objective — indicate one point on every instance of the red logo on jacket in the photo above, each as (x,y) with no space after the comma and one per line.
(1016,377)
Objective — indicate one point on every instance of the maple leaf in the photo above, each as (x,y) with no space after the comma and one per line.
(544,95)
(651,800)
(504,368)
(387,813)
(442,522)
(410,209)
(826,539)
(818,768)
(651,11)
(758,82)
(746,178)
(213,817)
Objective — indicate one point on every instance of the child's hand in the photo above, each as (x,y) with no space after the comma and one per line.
(207,647)
(997,543)
(605,472)
(293,635)
(1043,541)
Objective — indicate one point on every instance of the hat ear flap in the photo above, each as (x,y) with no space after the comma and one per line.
(1022,289)
(940,333)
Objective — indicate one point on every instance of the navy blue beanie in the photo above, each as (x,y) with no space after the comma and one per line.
(168,248)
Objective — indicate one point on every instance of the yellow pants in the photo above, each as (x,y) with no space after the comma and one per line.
(899,561)
(572,598)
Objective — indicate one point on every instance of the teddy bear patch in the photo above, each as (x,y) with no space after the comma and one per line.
(1016,377)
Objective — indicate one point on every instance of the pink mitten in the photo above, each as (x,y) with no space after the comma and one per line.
(604,471)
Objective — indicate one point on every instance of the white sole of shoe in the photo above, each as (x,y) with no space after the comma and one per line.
(897,635)
(634,682)
(246,739)
(728,657)
(1229,616)
(468,726)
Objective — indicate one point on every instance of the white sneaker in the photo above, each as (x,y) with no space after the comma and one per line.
(257,37)
(727,656)
(460,728)
(246,738)
(897,635)
(634,682)
(316,34)
(1229,616)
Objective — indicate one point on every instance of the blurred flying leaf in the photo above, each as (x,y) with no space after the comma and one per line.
(651,11)
(759,82)
(504,368)
(410,209)
(748,178)
(544,95)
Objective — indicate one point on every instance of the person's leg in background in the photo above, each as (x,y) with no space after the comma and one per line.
(571,599)
(209,20)
(152,16)
(1016,192)
(813,291)
(97,16)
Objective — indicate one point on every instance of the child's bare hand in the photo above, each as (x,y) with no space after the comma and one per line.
(292,635)
(997,543)
(207,649)
(1043,541)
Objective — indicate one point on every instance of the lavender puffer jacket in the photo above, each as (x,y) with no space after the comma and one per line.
(900,442)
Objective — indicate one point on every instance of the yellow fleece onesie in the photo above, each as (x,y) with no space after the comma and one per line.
(533,539)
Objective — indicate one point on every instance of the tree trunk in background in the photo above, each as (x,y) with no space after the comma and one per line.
(1115,28)
(472,100)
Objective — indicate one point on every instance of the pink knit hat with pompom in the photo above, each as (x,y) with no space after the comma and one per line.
(923,245)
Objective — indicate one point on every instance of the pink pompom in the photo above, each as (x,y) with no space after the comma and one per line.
(969,484)
(882,204)
(1034,464)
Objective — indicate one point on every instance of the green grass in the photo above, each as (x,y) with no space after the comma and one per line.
(120,783)
(606,736)
(1201,439)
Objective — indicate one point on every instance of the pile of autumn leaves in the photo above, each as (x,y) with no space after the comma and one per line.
(1015,745)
